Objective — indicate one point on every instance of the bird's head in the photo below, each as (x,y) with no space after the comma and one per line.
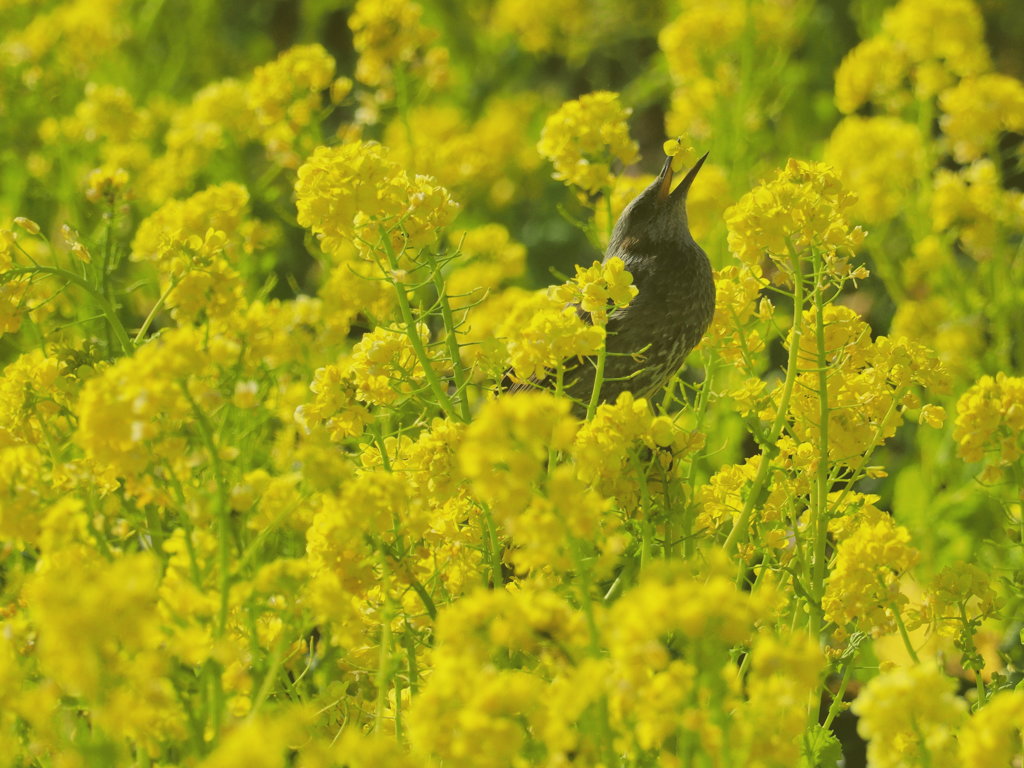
(657,215)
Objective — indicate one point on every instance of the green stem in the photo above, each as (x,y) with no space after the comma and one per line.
(820,495)
(493,547)
(905,635)
(414,337)
(153,313)
(458,370)
(384,658)
(740,531)
(101,301)
(221,510)
(595,394)
(837,700)
(276,655)
(585,583)
(700,413)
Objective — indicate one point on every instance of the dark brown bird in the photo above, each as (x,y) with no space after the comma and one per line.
(648,341)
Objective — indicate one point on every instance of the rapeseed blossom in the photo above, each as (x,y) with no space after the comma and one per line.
(802,207)
(909,717)
(584,137)
(288,470)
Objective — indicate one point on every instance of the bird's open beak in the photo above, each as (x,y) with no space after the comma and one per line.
(684,185)
(665,180)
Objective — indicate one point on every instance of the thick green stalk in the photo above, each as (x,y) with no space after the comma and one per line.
(837,700)
(414,337)
(595,394)
(740,531)
(700,412)
(383,680)
(458,370)
(821,478)
(221,510)
(141,335)
(493,548)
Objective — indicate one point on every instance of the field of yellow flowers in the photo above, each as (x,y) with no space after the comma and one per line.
(264,266)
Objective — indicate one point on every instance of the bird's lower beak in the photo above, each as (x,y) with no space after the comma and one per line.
(665,179)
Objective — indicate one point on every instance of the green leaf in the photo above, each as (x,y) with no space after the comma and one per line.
(821,749)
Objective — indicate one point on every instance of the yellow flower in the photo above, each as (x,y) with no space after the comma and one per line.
(990,420)
(872,72)
(384,366)
(389,36)
(784,673)
(334,406)
(133,414)
(977,110)
(864,585)
(355,193)
(604,442)
(489,256)
(561,26)
(188,242)
(598,288)
(929,42)
(286,95)
(975,202)
(707,68)
(493,657)
(542,335)
(991,738)
(909,717)
(584,137)
(506,446)
(491,157)
(803,206)
(880,159)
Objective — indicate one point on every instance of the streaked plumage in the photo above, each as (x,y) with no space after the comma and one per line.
(649,340)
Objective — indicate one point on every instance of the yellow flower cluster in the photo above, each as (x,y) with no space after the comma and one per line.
(585,137)
(384,367)
(864,586)
(604,443)
(561,25)
(506,447)
(666,640)
(286,96)
(802,207)
(909,717)
(869,381)
(990,422)
(974,202)
(543,333)
(489,257)
(598,288)
(977,110)
(880,160)
(488,157)
(355,192)
(334,405)
(705,45)
(929,42)
(495,655)
(188,243)
(268,498)
(217,117)
(992,736)
(393,45)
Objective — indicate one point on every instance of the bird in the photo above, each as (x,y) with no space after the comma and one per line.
(648,340)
